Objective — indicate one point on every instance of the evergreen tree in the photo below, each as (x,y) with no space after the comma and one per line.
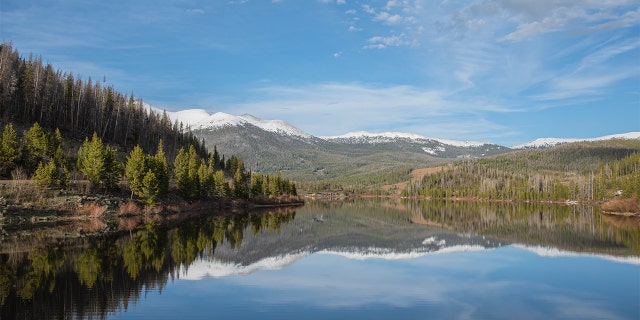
(36,145)
(194,179)
(9,149)
(257,180)
(112,167)
(158,163)
(185,173)
(216,159)
(239,186)
(221,188)
(135,170)
(91,159)
(150,188)
(46,175)
(205,177)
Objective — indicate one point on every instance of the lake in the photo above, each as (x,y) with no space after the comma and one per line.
(373,259)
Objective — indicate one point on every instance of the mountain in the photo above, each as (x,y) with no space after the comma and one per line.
(443,148)
(273,145)
(543,143)
(358,157)
(199,119)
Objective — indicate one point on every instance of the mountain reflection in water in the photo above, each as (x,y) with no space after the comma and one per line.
(105,275)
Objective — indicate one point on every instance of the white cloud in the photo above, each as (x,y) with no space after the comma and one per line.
(368,9)
(607,52)
(540,17)
(379,42)
(337,108)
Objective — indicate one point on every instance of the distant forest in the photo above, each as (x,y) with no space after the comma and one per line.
(55,125)
(585,171)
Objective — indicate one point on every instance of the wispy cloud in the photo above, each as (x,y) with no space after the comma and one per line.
(379,42)
(608,51)
(353,107)
(583,85)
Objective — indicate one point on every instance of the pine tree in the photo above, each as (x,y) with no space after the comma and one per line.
(135,170)
(150,188)
(36,145)
(46,175)
(112,167)
(91,160)
(9,149)
(181,171)
(158,163)
(257,180)
(185,173)
(194,179)
(205,177)
(221,188)
(239,186)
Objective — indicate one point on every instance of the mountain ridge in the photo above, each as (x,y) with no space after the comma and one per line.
(201,119)
(552,142)
(358,158)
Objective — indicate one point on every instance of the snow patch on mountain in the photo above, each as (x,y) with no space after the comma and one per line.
(200,119)
(391,254)
(202,268)
(551,142)
(555,252)
(370,137)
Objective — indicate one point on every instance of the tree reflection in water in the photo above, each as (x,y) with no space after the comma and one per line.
(101,276)
(94,277)
(575,228)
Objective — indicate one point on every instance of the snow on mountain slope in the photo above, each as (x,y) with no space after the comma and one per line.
(550,142)
(198,119)
(369,137)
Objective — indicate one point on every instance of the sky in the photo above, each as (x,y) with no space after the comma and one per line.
(501,71)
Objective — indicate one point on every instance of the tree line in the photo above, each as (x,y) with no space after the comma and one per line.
(39,154)
(487,178)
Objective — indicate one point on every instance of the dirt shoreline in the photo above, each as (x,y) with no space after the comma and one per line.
(85,214)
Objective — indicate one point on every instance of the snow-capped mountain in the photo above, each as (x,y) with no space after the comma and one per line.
(385,137)
(542,143)
(200,119)
(436,147)
(203,122)
(274,145)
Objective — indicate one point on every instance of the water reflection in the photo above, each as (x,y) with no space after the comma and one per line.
(93,277)
(574,228)
(106,275)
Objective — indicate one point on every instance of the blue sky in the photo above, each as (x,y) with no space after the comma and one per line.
(504,71)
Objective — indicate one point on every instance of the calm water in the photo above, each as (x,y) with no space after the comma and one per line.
(365,259)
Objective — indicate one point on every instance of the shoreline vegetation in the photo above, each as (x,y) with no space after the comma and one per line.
(54,211)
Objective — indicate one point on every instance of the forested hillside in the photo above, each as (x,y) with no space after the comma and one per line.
(31,91)
(586,171)
(55,126)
